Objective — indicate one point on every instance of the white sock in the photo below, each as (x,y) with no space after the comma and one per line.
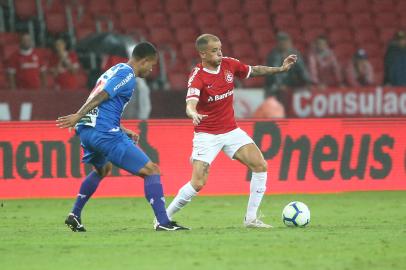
(185,195)
(257,190)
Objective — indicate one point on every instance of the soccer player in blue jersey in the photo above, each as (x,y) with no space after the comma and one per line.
(105,141)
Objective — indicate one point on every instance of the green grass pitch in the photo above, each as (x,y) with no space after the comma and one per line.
(361,230)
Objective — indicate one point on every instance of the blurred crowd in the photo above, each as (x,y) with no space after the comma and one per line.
(27,68)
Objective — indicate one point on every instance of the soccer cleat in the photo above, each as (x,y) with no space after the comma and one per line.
(74,223)
(256,223)
(171,226)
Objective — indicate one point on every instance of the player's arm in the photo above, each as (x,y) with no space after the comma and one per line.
(71,120)
(265,70)
(192,113)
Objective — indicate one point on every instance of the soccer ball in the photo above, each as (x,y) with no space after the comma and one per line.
(296,214)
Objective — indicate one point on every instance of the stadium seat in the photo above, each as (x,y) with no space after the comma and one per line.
(150,6)
(386,20)
(199,6)
(310,35)
(229,6)
(255,6)
(374,50)
(263,51)
(9,38)
(53,6)
(358,20)
(365,35)
(282,21)
(8,49)
(333,6)
(401,7)
(162,36)
(403,22)
(233,20)
(56,23)
(344,52)
(215,30)
(379,6)
(261,20)
(281,6)
(82,32)
(386,34)
(178,81)
(189,51)
(256,82)
(186,34)
(238,35)
(124,6)
(98,7)
(333,20)
(308,6)
(207,19)
(128,20)
(341,35)
(244,50)
(358,6)
(25,9)
(263,36)
(156,20)
(295,33)
(311,20)
(180,19)
(175,6)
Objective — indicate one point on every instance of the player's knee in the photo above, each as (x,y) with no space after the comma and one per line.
(151,169)
(105,170)
(261,166)
(198,184)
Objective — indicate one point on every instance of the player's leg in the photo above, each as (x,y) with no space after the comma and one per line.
(240,146)
(205,149)
(101,169)
(132,159)
(252,157)
(200,174)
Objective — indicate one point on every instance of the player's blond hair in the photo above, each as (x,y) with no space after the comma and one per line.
(203,40)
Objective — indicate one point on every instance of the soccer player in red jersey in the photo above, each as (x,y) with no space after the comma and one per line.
(209,103)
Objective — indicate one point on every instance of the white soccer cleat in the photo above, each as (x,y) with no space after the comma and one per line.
(256,223)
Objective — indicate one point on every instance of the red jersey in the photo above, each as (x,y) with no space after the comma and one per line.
(214,90)
(27,66)
(64,78)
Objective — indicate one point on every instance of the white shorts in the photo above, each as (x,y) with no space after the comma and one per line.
(207,146)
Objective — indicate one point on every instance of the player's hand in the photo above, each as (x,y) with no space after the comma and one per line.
(68,121)
(197,118)
(133,136)
(289,62)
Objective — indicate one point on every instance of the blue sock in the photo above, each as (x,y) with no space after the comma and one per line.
(86,190)
(155,196)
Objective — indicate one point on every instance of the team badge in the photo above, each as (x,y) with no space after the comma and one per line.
(229,76)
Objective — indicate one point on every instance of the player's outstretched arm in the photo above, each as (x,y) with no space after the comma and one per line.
(192,113)
(71,120)
(265,70)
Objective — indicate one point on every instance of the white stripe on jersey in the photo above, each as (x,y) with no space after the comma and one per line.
(189,83)
(249,72)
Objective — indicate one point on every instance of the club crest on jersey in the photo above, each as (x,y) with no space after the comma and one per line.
(229,76)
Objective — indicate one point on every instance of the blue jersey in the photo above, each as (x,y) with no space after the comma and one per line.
(119,82)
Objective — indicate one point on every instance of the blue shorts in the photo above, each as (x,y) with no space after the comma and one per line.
(115,147)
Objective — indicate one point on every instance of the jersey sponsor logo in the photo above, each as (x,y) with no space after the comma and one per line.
(229,76)
(220,97)
(123,82)
(192,77)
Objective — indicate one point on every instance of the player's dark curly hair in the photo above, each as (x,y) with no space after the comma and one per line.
(143,50)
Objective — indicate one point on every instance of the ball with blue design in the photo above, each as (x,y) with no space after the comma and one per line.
(296,214)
